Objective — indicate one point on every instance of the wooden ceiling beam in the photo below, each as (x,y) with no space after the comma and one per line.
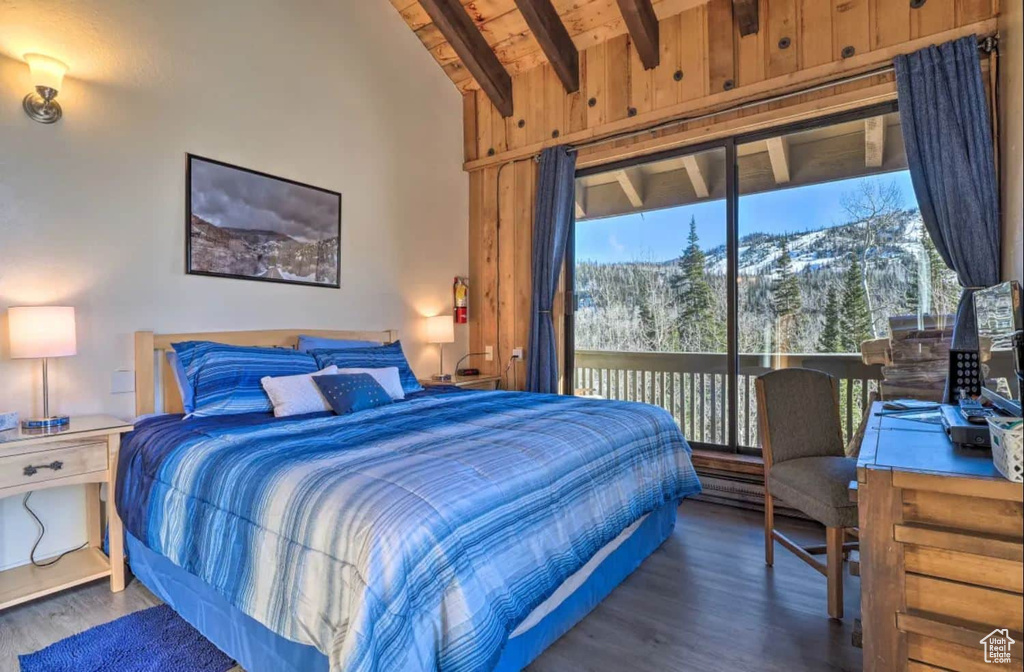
(581,201)
(778,154)
(632,182)
(874,142)
(745,13)
(696,171)
(642,24)
(549,31)
(469,44)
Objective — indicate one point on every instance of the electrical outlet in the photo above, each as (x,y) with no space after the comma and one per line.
(517,353)
(489,353)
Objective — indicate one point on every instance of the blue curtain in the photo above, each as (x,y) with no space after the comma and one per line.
(946,129)
(552,220)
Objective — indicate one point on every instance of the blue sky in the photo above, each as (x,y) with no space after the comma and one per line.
(661,235)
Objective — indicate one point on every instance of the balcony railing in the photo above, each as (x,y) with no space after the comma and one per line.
(693,386)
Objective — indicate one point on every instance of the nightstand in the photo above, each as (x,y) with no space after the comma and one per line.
(466,382)
(84,452)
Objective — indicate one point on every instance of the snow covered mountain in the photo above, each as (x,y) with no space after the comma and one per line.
(898,238)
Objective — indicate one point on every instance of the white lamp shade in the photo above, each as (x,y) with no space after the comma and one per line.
(46,71)
(440,329)
(41,331)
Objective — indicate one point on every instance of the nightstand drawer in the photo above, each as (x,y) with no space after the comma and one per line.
(52,464)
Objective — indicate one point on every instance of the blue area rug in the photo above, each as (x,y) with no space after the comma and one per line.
(152,640)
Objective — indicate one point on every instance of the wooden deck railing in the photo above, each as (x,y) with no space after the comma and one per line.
(693,386)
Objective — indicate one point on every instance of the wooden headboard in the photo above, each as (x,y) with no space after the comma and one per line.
(150,349)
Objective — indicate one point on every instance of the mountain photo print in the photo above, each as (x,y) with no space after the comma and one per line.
(248,225)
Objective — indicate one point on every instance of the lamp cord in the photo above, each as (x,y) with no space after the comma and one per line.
(42,532)
(515,377)
(465,357)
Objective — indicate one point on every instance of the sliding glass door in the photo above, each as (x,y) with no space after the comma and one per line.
(696,272)
(832,249)
(651,288)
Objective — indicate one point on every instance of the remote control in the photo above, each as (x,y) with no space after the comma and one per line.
(965,373)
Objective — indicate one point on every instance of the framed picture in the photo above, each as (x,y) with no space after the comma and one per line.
(240,223)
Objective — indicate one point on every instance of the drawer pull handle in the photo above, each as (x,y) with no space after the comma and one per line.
(32,470)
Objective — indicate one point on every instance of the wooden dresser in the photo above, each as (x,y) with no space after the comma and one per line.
(84,452)
(941,545)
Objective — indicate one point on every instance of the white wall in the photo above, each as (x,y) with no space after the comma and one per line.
(336,93)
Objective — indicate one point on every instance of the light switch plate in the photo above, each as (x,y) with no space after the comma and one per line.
(122,382)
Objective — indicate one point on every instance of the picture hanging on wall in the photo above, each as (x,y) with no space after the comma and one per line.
(244,224)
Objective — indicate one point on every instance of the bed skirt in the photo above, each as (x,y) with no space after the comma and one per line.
(258,649)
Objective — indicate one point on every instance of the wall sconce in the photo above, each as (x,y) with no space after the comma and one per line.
(47,77)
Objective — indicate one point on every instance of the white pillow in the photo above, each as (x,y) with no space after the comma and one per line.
(296,395)
(387,378)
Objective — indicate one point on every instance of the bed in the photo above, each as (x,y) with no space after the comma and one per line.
(455,530)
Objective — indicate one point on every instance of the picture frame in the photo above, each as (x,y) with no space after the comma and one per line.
(245,224)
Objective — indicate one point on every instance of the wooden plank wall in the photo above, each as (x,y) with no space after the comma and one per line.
(705,65)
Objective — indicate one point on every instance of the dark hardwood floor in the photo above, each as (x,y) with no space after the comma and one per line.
(704,601)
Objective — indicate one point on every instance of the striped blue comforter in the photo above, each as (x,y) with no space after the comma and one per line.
(415,536)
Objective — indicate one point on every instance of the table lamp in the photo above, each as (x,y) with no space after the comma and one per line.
(441,330)
(41,332)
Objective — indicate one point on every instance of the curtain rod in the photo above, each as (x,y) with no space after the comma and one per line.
(987,44)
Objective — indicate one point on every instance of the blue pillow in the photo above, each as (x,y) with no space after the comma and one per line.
(308,343)
(371,358)
(225,379)
(180,377)
(348,393)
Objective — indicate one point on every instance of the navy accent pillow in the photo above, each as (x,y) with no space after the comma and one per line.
(348,393)
(380,357)
(225,379)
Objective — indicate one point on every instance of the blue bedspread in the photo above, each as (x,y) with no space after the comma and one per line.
(414,536)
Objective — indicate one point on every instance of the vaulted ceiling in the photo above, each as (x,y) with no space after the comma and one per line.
(482,43)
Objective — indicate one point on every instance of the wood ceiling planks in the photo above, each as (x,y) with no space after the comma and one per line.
(475,53)
(504,28)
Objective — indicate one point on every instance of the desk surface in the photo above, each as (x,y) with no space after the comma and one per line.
(911,445)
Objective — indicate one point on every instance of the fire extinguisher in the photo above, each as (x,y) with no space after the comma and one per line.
(461,293)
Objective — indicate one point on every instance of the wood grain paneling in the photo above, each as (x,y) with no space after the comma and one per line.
(704,63)
(704,66)
(984,606)
(964,567)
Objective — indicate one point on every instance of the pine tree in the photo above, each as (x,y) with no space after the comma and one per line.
(856,318)
(693,296)
(831,339)
(786,289)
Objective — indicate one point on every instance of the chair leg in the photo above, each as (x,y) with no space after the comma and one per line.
(769,525)
(834,570)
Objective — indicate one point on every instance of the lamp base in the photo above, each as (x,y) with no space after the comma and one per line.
(441,377)
(52,422)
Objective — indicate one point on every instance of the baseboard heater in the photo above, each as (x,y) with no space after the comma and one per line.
(740,493)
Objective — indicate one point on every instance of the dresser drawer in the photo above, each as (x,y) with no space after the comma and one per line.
(70,460)
(954,601)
